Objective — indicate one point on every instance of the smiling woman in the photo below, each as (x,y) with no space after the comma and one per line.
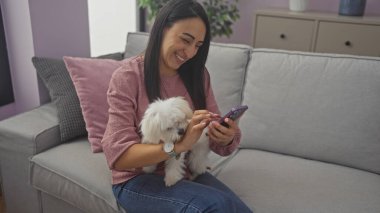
(172,65)
(181,44)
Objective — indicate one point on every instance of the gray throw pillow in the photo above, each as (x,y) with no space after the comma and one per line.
(62,92)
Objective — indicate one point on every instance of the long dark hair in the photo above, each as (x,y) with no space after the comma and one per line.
(191,72)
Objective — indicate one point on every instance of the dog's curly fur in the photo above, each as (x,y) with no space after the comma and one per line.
(166,121)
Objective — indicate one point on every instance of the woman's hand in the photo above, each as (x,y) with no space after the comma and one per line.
(221,134)
(199,121)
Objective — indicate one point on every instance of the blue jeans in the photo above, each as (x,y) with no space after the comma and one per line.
(148,193)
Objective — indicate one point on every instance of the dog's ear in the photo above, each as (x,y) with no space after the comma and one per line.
(189,113)
(151,128)
(186,108)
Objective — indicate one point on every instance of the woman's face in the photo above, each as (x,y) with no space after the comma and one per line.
(180,43)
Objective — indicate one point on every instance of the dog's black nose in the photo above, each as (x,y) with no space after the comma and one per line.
(181,131)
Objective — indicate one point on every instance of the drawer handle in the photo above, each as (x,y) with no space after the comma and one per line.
(348,43)
(283,36)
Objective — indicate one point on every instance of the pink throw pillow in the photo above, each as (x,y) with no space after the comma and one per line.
(91,77)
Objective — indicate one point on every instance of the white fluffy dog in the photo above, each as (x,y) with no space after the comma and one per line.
(166,121)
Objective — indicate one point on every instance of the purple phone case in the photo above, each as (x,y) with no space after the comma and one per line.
(233,114)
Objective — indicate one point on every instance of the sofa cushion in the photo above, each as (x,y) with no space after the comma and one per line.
(270,182)
(73,173)
(91,77)
(57,80)
(136,43)
(53,204)
(226,64)
(317,106)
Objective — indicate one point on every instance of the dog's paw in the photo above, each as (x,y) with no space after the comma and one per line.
(171,180)
(193,176)
(199,169)
(149,169)
(173,175)
(198,166)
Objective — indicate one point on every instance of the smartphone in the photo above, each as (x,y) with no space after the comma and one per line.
(233,114)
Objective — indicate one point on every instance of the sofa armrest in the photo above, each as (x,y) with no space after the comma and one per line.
(21,137)
(31,132)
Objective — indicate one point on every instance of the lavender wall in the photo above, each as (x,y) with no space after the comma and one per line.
(40,28)
(243,29)
(19,40)
(372,6)
(59,28)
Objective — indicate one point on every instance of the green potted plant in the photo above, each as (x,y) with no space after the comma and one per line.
(222,14)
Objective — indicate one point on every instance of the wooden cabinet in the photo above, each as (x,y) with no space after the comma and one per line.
(284,33)
(317,32)
(357,39)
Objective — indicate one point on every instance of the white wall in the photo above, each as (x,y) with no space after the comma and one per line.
(18,34)
(109,23)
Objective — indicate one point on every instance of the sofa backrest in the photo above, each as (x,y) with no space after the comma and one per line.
(319,106)
(226,64)
(136,43)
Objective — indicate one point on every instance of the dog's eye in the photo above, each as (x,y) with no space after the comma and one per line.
(169,129)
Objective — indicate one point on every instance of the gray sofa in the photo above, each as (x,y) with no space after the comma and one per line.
(311,138)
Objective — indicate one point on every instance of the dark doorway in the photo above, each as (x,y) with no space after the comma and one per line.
(6,91)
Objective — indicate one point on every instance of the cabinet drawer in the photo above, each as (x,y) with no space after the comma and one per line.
(283,33)
(346,38)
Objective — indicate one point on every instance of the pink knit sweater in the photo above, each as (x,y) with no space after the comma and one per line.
(128,101)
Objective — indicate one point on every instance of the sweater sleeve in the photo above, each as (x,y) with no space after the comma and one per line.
(213,107)
(121,131)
